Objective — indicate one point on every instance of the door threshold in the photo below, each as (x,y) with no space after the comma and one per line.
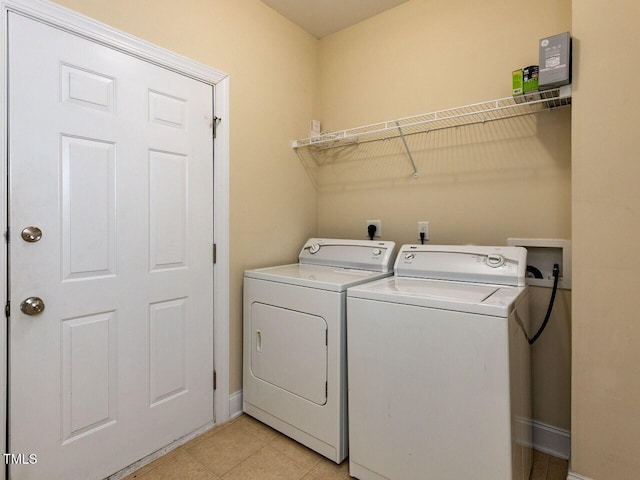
(143,462)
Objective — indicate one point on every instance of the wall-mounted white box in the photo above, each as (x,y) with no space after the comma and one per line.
(542,253)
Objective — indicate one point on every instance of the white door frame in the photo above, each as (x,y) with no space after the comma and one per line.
(73,22)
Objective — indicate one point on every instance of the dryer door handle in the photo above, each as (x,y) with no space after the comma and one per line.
(258,340)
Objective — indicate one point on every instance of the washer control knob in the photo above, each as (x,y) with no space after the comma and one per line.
(315,248)
(410,256)
(495,260)
(376,251)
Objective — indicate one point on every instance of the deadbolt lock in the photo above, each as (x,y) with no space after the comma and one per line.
(31,234)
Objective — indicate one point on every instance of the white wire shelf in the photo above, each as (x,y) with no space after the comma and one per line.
(503,108)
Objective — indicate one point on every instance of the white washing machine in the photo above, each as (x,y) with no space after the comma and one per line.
(294,373)
(439,367)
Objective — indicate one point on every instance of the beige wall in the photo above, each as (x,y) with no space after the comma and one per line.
(478,184)
(272,66)
(551,359)
(606,228)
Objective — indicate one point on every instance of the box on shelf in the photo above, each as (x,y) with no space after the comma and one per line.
(516,81)
(530,79)
(555,61)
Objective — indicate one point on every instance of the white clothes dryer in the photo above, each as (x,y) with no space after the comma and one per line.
(439,367)
(294,372)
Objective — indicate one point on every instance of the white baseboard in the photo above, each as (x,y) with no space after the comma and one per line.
(552,440)
(576,476)
(235,405)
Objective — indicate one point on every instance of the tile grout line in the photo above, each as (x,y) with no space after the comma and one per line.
(224,427)
(545,471)
(242,461)
(307,471)
(202,465)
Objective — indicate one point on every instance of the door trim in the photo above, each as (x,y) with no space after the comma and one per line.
(78,24)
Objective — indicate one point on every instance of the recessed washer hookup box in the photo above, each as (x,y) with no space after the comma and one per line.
(555,61)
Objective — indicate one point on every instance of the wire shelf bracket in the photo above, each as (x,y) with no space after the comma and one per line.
(406,147)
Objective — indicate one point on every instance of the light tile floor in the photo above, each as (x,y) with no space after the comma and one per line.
(246,449)
(547,467)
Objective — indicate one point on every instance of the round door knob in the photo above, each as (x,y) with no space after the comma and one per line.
(31,234)
(32,306)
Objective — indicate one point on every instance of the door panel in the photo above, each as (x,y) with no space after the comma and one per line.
(168,210)
(111,157)
(168,349)
(89,374)
(88,208)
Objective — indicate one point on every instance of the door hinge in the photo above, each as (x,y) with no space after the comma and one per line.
(216,122)
(215,380)
(6,235)
(7,309)
(214,253)
(326,337)
(326,390)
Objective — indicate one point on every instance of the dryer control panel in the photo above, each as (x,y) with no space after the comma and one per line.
(480,264)
(373,255)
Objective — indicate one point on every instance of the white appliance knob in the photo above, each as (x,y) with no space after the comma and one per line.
(377,251)
(495,260)
(410,256)
(315,248)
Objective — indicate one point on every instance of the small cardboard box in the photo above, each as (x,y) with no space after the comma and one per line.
(530,79)
(517,82)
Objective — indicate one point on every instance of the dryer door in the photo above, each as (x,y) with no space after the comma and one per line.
(289,350)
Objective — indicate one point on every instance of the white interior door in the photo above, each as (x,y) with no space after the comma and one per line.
(111,158)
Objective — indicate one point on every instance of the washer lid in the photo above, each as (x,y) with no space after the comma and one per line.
(457,291)
(495,300)
(316,276)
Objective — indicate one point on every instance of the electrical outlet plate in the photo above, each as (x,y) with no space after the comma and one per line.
(378,224)
(423,227)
